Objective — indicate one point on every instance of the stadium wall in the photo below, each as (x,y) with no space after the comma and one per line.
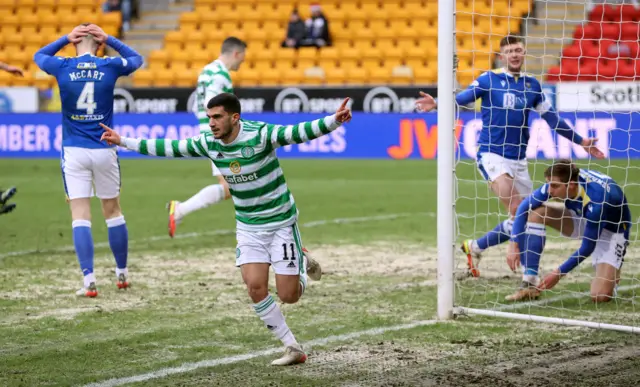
(379,136)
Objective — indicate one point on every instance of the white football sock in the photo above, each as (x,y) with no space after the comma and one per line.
(270,313)
(88,279)
(207,196)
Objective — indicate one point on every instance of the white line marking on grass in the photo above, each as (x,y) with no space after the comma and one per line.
(248,356)
(315,223)
(187,367)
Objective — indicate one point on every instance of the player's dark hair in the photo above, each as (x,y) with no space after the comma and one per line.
(564,170)
(510,39)
(229,102)
(231,44)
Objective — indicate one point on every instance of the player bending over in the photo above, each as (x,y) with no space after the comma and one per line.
(595,209)
(86,85)
(213,80)
(508,96)
(266,214)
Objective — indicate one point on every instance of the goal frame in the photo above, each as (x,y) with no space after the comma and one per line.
(446,193)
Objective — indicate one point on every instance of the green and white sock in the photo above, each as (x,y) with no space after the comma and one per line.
(270,313)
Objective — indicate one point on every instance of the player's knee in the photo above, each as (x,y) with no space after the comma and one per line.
(257,292)
(537,215)
(599,297)
(111,208)
(289,297)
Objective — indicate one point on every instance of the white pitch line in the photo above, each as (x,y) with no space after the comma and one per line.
(248,356)
(187,367)
(315,223)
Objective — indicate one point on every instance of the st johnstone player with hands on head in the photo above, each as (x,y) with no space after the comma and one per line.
(86,85)
(595,210)
(508,96)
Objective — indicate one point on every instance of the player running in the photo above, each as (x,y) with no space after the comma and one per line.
(89,166)
(595,210)
(508,96)
(213,80)
(266,214)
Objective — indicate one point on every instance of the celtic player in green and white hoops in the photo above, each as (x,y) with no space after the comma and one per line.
(213,80)
(266,214)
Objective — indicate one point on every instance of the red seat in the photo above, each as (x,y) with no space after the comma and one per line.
(597,13)
(568,72)
(630,13)
(553,75)
(630,31)
(612,13)
(626,70)
(637,65)
(588,71)
(611,31)
(593,31)
(607,70)
(578,34)
(573,51)
(589,48)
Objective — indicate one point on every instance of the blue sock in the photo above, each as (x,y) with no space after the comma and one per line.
(535,238)
(83,242)
(500,234)
(119,240)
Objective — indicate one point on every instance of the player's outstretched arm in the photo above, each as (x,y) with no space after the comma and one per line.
(476,90)
(44,57)
(548,113)
(280,135)
(191,147)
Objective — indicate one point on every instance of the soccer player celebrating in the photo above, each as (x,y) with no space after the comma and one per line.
(266,214)
(595,210)
(213,80)
(508,96)
(86,85)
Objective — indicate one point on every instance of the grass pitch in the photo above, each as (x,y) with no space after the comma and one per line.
(188,322)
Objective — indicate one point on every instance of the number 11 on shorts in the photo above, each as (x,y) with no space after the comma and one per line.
(293,252)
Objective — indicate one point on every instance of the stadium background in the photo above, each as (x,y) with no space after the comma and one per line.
(382,54)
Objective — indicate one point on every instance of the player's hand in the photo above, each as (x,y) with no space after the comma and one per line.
(13,70)
(343,114)
(110,136)
(550,280)
(98,33)
(513,256)
(425,104)
(589,144)
(77,34)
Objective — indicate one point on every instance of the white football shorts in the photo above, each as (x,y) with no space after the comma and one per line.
(610,248)
(281,248)
(492,165)
(90,172)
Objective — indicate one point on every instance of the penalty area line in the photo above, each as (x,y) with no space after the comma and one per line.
(315,223)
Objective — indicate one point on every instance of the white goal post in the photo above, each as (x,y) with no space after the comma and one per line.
(569,305)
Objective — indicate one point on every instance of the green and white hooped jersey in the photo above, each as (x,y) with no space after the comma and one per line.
(249,164)
(213,80)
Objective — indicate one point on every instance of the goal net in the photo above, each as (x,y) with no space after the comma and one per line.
(586,56)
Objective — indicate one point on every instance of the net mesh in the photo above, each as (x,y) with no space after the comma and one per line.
(585,55)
